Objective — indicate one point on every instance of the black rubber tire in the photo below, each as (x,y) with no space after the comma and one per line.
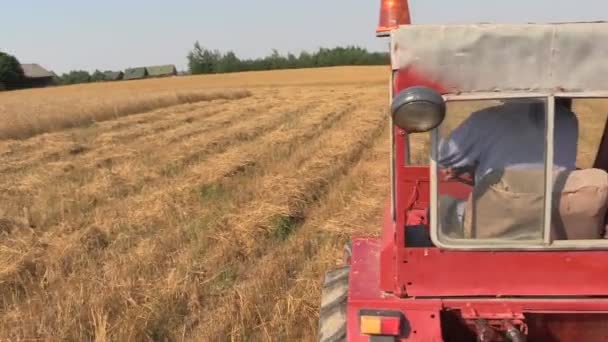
(332,317)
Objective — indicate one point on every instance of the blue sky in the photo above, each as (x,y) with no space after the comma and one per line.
(74,34)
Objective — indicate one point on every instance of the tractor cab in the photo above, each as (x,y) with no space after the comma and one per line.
(496,222)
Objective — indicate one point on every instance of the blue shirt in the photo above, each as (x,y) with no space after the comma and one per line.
(511,135)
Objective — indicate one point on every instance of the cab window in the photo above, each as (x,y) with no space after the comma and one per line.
(489,153)
(580,196)
(592,115)
(490,173)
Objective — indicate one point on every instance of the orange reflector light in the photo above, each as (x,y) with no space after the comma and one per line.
(376,325)
(393,13)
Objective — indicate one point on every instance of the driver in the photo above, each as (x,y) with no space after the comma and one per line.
(511,135)
(504,137)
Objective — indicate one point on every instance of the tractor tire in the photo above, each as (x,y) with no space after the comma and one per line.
(332,318)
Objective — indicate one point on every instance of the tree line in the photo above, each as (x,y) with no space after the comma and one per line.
(206,61)
(80,76)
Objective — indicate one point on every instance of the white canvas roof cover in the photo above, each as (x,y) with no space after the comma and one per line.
(570,57)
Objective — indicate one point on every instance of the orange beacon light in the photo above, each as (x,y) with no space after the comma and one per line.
(393,13)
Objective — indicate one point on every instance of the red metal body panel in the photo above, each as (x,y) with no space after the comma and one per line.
(430,272)
(423,323)
(422,315)
(388,266)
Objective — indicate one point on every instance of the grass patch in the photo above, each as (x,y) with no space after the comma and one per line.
(170,170)
(192,230)
(284,225)
(225,279)
(213,192)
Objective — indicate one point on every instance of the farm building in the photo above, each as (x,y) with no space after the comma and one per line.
(135,74)
(161,70)
(37,76)
(113,75)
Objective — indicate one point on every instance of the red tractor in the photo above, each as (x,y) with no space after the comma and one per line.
(516,254)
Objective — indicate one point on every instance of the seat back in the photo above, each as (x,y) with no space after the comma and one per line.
(580,206)
(508,204)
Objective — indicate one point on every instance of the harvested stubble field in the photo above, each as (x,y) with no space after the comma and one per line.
(192,208)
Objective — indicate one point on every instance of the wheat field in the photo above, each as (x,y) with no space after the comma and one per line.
(191,208)
(203,208)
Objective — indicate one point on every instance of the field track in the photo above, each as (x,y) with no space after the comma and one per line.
(206,216)
(194,208)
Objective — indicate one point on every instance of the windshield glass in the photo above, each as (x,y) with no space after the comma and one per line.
(494,164)
(490,170)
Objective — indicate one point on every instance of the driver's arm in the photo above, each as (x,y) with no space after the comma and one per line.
(462,148)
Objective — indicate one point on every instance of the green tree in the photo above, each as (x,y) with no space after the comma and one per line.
(11,73)
(305,60)
(229,62)
(75,77)
(98,76)
(292,61)
(203,61)
(276,61)
(57,80)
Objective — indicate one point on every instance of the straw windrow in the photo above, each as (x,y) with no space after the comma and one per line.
(207,220)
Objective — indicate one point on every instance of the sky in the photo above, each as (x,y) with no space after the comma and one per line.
(64,35)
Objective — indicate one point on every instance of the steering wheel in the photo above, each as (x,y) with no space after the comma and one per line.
(465,175)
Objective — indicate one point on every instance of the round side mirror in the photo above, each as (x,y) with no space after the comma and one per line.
(418,109)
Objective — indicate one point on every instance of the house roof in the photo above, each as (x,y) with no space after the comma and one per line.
(113,75)
(35,71)
(161,70)
(135,73)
